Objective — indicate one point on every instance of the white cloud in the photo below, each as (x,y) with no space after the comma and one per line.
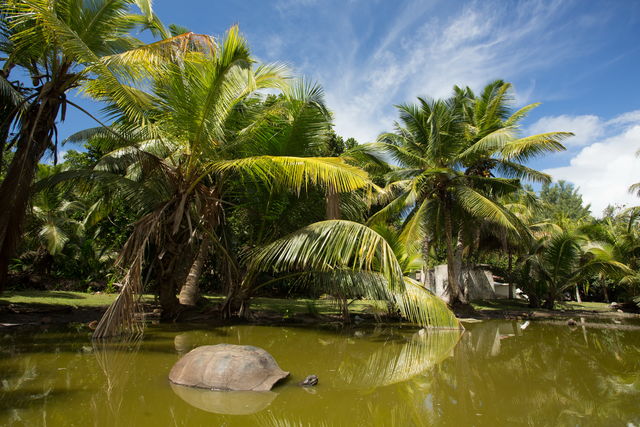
(587,128)
(626,118)
(604,170)
(424,56)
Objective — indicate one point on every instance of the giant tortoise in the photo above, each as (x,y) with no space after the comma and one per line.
(227,367)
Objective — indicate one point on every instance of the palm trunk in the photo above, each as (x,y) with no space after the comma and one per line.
(15,190)
(190,290)
(578,294)
(174,267)
(237,301)
(425,257)
(333,204)
(509,271)
(454,293)
(604,289)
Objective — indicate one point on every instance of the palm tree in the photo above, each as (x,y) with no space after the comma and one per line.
(558,262)
(352,260)
(204,136)
(456,158)
(619,236)
(61,45)
(52,217)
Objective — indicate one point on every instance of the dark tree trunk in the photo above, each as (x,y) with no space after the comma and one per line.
(534,301)
(605,291)
(550,301)
(190,291)
(174,267)
(236,303)
(35,137)
(333,204)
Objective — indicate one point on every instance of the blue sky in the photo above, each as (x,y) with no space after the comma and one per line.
(581,59)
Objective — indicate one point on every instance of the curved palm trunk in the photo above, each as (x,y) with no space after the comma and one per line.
(190,290)
(35,138)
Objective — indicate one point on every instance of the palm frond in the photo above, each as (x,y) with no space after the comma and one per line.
(524,149)
(297,173)
(343,246)
(479,206)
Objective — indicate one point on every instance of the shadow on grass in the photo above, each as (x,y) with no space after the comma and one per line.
(45,294)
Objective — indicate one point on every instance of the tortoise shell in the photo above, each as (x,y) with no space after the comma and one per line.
(227,367)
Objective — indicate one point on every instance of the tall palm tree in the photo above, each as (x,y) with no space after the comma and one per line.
(61,45)
(456,157)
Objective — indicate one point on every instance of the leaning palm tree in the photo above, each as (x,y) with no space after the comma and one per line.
(60,45)
(203,134)
(456,158)
(352,260)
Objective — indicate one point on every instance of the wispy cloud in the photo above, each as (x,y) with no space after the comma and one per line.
(586,128)
(423,55)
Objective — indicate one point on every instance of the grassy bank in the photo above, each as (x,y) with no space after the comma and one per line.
(278,305)
(65,298)
(283,306)
(519,305)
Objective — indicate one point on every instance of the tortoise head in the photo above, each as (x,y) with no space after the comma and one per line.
(310,381)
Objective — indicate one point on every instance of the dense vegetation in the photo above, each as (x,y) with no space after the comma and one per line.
(203,180)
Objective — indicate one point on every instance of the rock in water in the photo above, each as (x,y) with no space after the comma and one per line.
(227,367)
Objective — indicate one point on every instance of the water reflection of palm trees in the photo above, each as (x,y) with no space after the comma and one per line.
(356,365)
(400,360)
(548,375)
(115,359)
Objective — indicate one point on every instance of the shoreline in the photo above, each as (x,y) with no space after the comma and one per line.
(34,314)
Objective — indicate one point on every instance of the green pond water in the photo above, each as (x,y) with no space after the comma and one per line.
(495,373)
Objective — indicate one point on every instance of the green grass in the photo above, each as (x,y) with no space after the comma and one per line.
(504,304)
(286,307)
(323,307)
(290,306)
(278,305)
(67,298)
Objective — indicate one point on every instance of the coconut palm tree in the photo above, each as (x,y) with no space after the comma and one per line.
(61,45)
(205,137)
(558,262)
(456,157)
(352,260)
(620,237)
